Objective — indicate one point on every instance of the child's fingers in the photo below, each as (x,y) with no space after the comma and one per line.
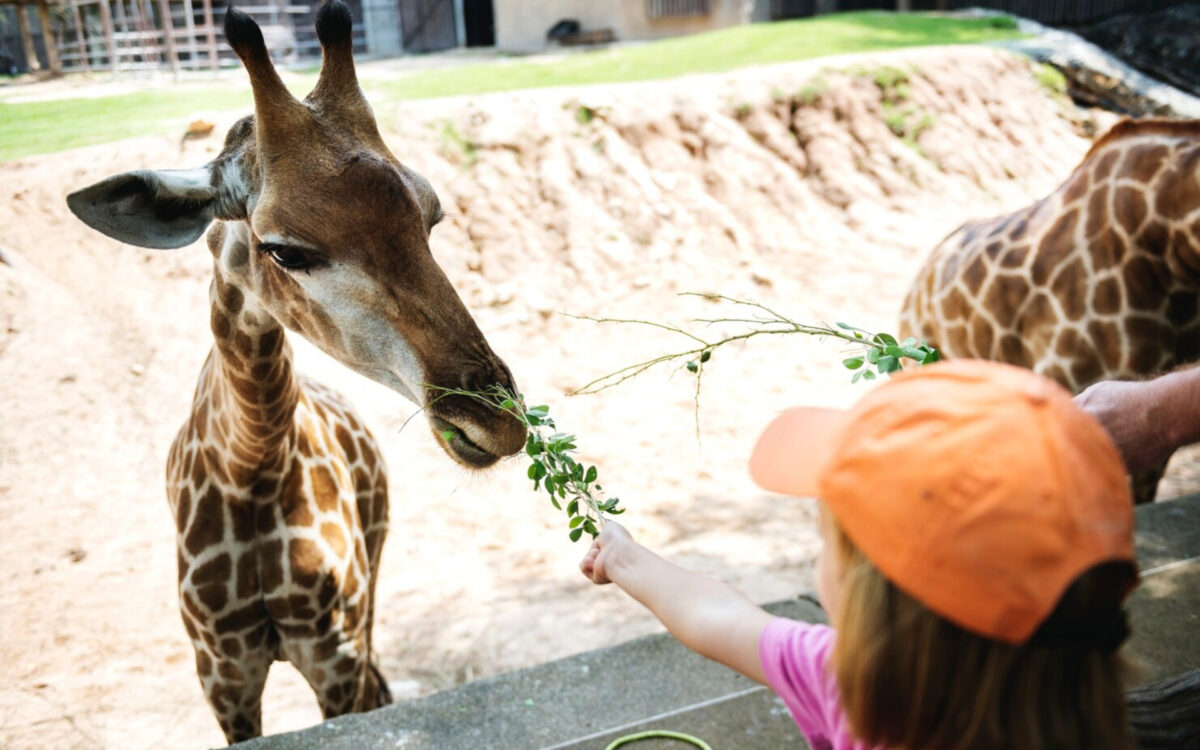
(588,565)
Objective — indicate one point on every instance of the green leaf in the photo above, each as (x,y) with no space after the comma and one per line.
(888,363)
(853,363)
(885,338)
(872,355)
(893,350)
(868,375)
(934,355)
(533,446)
(576,521)
(591,475)
(910,341)
(914,352)
(858,375)
(846,326)
(706,355)
(537,470)
(575,534)
(590,528)
(616,511)
(692,366)
(572,507)
(541,412)
(555,501)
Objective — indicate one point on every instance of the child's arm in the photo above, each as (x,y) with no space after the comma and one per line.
(707,616)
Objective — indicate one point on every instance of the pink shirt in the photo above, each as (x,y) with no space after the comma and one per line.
(794,655)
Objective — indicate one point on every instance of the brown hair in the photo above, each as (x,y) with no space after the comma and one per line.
(910,679)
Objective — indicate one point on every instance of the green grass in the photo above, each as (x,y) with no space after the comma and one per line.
(44,126)
(41,127)
(710,52)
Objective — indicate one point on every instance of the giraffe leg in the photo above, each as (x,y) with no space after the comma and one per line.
(1144,484)
(234,688)
(340,672)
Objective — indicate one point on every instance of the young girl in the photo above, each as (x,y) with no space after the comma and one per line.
(978,548)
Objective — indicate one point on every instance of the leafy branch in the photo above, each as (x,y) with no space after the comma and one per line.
(879,353)
(571,485)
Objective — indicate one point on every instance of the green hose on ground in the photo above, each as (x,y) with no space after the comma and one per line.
(654,733)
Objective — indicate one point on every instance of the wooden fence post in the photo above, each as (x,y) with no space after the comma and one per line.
(169,34)
(48,39)
(212,35)
(31,59)
(109,43)
(85,61)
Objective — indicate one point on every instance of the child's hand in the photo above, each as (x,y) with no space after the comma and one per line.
(613,535)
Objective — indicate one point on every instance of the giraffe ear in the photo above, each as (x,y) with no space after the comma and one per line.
(162,210)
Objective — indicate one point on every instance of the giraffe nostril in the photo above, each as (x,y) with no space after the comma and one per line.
(484,379)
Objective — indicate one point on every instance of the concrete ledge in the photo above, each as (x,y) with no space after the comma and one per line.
(585,701)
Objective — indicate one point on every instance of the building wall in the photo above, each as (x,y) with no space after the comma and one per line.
(521,25)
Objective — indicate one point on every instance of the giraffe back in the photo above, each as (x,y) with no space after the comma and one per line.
(1097,280)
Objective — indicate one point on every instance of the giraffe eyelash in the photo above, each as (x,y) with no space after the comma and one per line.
(278,253)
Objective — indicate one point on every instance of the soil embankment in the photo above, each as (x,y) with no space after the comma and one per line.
(814,188)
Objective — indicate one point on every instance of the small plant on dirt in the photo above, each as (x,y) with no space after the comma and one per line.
(892,82)
(584,114)
(812,90)
(456,147)
(1051,79)
(571,485)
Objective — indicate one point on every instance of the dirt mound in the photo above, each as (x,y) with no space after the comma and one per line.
(816,188)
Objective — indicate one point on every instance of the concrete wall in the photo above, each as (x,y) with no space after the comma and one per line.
(521,25)
(381,20)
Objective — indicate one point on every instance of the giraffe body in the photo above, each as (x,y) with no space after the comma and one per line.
(281,514)
(278,491)
(1098,280)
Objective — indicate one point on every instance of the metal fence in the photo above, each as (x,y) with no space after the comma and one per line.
(676,8)
(131,35)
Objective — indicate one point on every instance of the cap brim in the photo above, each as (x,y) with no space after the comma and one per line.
(794,449)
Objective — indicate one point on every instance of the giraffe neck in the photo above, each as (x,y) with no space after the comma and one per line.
(249,381)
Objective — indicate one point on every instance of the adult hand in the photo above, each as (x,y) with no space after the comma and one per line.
(1136,416)
(595,563)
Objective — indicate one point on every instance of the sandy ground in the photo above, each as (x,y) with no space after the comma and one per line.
(764,184)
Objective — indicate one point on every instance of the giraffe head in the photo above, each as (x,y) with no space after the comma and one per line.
(320,227)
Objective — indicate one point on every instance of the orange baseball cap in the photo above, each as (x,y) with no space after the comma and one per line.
(978,488)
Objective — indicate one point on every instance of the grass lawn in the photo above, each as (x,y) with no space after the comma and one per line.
(41,127)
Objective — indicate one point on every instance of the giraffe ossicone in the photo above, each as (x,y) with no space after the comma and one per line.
(278,490)
(1098,280)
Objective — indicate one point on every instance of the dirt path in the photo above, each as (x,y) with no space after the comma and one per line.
(762,184)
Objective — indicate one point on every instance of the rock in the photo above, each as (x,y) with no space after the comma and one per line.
(1097,78)
(1165,45)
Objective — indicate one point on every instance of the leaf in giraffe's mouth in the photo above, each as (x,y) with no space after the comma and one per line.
(462,446)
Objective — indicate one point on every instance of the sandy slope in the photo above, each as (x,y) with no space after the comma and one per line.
(727,183)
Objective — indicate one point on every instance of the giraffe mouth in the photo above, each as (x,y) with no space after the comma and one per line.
(459,446)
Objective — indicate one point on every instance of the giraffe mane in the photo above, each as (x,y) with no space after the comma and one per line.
(1130,127)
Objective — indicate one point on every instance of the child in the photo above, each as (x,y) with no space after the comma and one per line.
(978,548)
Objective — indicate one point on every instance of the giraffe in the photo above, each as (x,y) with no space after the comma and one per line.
(1098,280)
(278,491)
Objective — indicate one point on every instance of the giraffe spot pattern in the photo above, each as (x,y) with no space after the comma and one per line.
(1129,208)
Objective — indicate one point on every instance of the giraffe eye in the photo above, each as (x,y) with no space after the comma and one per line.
(288,256)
